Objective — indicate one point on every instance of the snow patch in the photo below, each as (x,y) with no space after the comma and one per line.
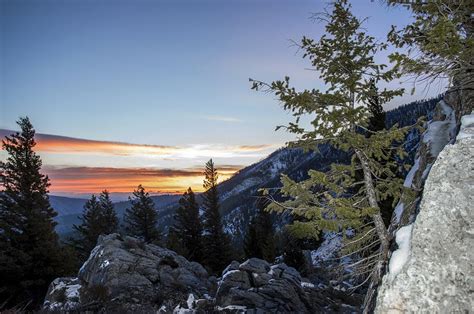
(401,255)
(399,210)
(439,133)
(331,244)
(238,308)
(467,127)
(409,178)
(104,264)
(190,301)
(72,291)
(307,284)
(228,273)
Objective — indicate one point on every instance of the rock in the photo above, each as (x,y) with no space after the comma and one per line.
(124,274)
(255,265)
(258,287)
(440,131)
(437,275)
(234,265)
(63,294)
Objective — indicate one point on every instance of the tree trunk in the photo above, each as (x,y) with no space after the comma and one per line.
(379,227)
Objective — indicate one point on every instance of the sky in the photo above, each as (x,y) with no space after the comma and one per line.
(146,91)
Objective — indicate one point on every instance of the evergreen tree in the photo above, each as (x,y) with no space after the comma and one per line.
(292,251)
(345,59)
(259,241)
(377,114)
(251,245)
(30,254)
(216,241)
(141,219)
(376,123)
(108,215)
(188,227)
(439,42)
(173,242)
(99,217)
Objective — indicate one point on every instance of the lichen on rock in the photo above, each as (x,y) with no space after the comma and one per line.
(437,277)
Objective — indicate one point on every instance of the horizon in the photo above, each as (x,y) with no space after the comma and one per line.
(145,92)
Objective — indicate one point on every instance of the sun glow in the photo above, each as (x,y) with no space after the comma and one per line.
(85,180)
(81,166)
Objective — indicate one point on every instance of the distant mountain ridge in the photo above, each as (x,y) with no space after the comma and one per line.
(70,209)
(238,193)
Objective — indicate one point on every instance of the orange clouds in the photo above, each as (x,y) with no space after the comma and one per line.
(82,166)
(61,144)
(94,179)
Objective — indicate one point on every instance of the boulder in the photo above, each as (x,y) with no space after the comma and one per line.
(432,269)
(124,274)
(258,287)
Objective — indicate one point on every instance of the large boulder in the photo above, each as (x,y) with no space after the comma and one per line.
(124,274)
(431,272)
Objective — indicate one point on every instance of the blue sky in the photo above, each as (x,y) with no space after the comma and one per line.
(160,72)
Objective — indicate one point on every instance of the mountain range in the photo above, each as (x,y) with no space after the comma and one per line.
(238,194)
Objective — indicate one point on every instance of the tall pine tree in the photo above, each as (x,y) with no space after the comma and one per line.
(141,220)
(30,254)
(187,227)
(99,217)
(345,59)
(216,241)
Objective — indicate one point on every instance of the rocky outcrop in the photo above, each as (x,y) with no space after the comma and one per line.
(432,271)
(125,275)
(257,285)
(440,131)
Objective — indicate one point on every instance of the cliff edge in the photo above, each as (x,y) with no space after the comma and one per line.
(431,271)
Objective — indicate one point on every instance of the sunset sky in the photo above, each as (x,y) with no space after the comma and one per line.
(145,91)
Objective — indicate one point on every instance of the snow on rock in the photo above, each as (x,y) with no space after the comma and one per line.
(63,294)
(305,284)
(467,127)
(437,276)
(331,244)
(398,211)
(190,300)
(411,174)
(400,256)
(439,133)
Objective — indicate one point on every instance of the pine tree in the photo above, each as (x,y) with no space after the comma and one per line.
(251,244)
(99,217)
(292,251)
(109,217)
(377,123)
(439,44)
(141,219)
(216,241)
(345,59)
(174,243)
(188,227)
(259,240)
(377,114)
(30,254)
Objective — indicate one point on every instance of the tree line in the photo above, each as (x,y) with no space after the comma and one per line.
(32,255)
